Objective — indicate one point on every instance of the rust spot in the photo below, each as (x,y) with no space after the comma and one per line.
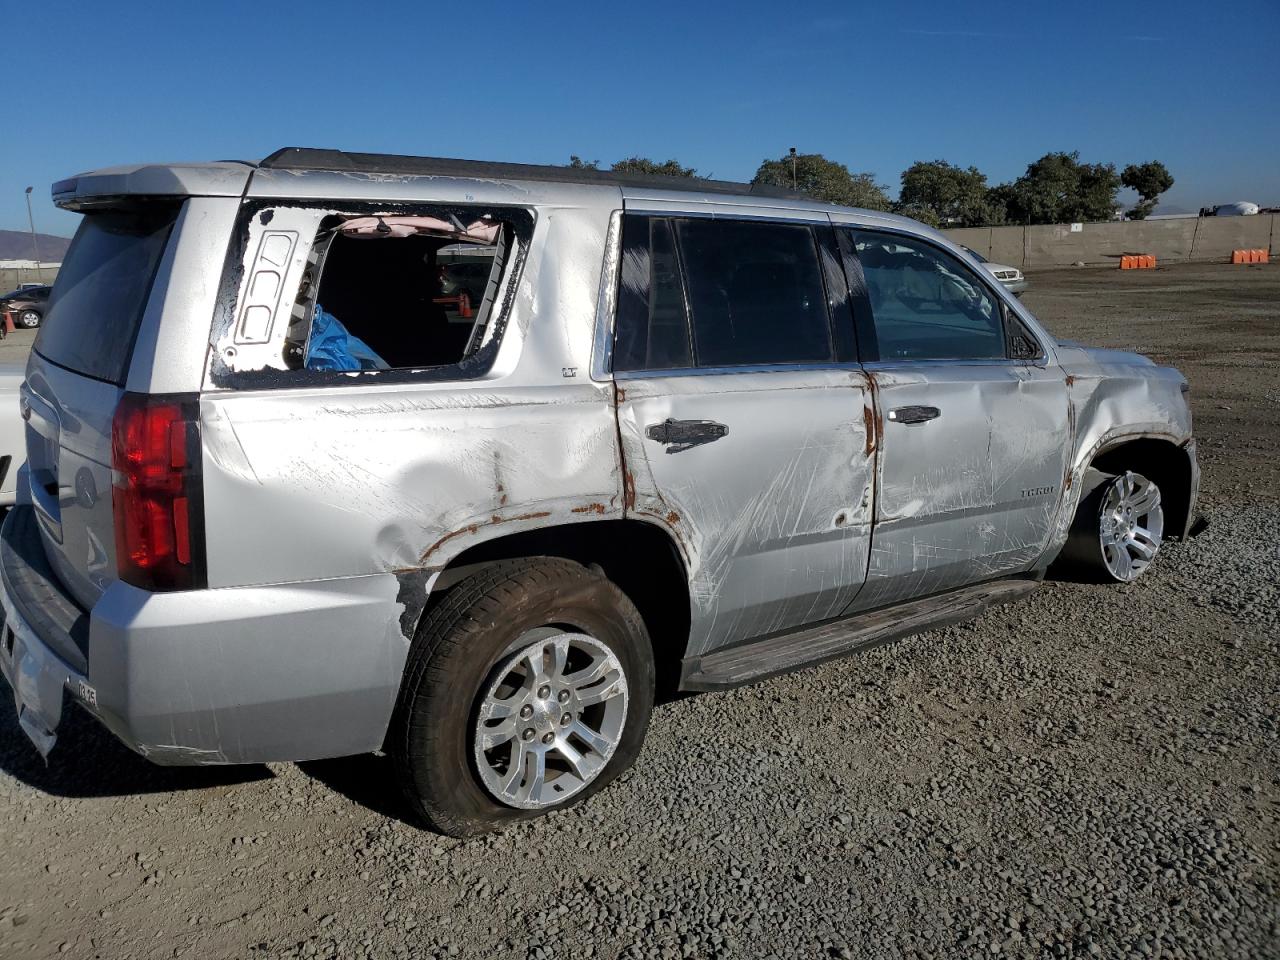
(471,528)
(628,490)
(591,508)
(621,393)
(673,518)
(1071,378)
(526,516)
(871,415)
(840,520)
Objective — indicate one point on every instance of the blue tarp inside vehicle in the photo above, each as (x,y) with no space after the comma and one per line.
(332,347)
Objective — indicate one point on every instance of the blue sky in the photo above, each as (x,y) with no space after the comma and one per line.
(876,86)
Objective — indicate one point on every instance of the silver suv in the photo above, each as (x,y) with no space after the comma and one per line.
(339,453)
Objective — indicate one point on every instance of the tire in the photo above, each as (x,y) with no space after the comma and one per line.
(29,319)
(460,669)
(1117,530)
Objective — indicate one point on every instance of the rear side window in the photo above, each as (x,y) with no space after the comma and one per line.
(653,328)
(755,293)
(417,293)
(101,292)
(926,304)
(719,293)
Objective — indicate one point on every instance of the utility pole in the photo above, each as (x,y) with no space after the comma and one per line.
(35,248)
(793,175)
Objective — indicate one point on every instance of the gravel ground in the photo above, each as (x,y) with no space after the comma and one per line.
(1091,772)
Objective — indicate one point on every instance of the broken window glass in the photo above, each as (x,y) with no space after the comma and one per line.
(374,291)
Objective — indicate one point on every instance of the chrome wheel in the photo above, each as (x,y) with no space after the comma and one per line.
(550,719)
(1130,526)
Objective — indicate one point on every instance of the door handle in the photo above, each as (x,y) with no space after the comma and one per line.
(914,414)
(678,435)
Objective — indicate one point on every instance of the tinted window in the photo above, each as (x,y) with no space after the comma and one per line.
(755,293)
(652,326)
(102,290)
(925,304)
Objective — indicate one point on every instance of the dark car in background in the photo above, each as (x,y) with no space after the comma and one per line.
(28,306)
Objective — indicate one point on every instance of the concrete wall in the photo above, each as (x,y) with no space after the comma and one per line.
(12,277)
(1189,238)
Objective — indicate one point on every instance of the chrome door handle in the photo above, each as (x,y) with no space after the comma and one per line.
(914,414)
(678,435)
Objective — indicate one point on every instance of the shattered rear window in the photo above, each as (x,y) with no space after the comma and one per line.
(327,292)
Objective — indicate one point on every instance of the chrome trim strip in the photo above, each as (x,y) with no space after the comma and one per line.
(607,301)
(904,363)
(679,211)
(746,368)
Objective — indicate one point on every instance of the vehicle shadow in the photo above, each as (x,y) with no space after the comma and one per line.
(368,779)
(87,761)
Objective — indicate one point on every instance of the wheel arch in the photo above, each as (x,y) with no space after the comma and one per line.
(1168,464)
(641,557)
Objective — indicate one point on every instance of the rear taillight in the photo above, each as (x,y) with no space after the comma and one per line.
(156,492)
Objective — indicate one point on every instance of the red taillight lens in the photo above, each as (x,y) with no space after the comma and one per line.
(155,495)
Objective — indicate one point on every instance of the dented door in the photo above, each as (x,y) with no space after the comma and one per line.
(972,459)
(765,479)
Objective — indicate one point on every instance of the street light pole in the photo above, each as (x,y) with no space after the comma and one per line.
(35,247)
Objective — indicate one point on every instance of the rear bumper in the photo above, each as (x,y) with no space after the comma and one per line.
(232,675)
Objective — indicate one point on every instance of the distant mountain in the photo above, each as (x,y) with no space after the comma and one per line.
(16,245)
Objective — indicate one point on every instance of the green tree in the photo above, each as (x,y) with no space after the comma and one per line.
(942,194)
(999,199)
(668,168)
(1058,188)
(825,180)
(577,163)
(1148,180)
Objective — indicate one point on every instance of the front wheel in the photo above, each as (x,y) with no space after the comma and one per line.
(1118,527)
(527,690)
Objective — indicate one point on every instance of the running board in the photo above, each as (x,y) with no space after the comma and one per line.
(783,653)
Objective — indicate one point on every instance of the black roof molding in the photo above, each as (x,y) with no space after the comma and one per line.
(309,158)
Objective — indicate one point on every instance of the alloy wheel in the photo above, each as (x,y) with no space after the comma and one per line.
(550,719)
(1131,525)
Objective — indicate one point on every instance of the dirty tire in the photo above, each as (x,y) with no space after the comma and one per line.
(453,659)
(1083,558)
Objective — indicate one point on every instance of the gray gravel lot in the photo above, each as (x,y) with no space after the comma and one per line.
(1092,772)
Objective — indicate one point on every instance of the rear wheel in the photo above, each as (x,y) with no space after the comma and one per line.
(527,690)
(29,319)
(1118,527)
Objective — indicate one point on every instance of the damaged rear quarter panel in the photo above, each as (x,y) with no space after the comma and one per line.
(389,477)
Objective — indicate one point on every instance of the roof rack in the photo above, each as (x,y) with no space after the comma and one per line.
(310,158)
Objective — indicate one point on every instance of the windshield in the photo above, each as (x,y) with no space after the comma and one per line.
(97,301)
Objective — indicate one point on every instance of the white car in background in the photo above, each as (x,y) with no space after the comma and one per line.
(1011,277)
(13,440)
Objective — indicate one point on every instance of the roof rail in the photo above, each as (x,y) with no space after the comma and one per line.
(309,158)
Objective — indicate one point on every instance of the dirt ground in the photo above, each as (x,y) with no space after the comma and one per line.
(1093,772)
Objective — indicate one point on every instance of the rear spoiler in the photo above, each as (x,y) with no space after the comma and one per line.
(113,185)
